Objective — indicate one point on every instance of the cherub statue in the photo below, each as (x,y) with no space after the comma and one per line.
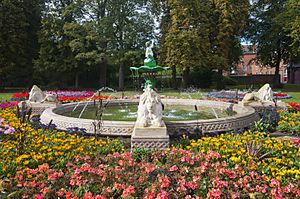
(149,61)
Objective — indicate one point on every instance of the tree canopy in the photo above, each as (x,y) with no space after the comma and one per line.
(55,41)
(272,27)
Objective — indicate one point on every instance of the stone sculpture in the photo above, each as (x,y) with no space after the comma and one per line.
(150,109)
(264,94)
(38,96)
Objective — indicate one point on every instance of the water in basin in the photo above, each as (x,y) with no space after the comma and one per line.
(170,113)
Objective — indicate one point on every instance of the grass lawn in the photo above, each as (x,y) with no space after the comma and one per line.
(5,96)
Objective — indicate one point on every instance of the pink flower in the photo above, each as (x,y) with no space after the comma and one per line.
(192,185)
(163,195)
(164,182)
(44,167)
(128,191)
(214,193)
(141,179)
(149,195)
(288,188)
(117,186)
(196,178)
(69,195)
(33,183)
(230,174)
(99,197)
(60,193)
(45,190)
(38,196)
(149,167)
(274,183)
(173,168)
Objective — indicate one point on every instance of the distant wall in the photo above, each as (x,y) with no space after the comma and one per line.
(254,79)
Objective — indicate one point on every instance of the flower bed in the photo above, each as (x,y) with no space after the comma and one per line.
(289,122)
(5,105)
(177,174)
(272,157)
(240,95)
(64,96)
(293,106)
(27,147)
(44,163)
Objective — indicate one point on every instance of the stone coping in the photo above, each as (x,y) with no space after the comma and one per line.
(244,117)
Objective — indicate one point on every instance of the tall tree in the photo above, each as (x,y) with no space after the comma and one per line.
(267,31)
(78,34)
(55,55)
(19,24)
(202,34)
(290,19)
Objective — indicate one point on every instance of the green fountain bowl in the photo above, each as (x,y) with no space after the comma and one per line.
(149,69)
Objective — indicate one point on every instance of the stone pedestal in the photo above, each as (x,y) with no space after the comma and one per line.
(150,137)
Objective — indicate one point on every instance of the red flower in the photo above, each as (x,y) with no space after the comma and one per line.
(88,195)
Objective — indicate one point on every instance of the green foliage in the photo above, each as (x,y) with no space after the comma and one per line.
(78,36)
(266,28)
(261,126)
(19,22)
(291,21)
(202,35)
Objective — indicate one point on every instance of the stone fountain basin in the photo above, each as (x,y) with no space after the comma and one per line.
(245,115)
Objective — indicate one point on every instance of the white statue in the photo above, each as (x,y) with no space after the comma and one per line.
(264,94)
(149,46)
(37,95)
(150,110)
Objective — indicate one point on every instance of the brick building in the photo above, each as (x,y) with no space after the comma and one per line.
(250,66)
(294,71)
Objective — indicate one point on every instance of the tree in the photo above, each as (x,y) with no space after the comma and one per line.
(79,34)
(290,19)
(202,35)
(55,56)
(266,29)
(131,26)
(19,23)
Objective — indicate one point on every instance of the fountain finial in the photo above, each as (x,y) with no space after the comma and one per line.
(149,61)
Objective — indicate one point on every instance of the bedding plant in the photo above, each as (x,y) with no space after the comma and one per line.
(46,163)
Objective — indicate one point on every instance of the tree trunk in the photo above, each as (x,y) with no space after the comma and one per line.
(121,76)
(174,80)
(185,77)
(76,80)
(103,73)
(276,80)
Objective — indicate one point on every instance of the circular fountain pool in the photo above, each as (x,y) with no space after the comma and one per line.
(120,115)
(128,112)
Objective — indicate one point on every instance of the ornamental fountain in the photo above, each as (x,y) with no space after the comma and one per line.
(153,124)
(150,130)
